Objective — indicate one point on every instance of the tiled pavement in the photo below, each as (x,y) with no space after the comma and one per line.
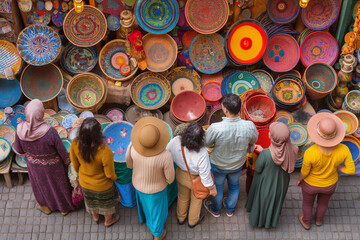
(20,220)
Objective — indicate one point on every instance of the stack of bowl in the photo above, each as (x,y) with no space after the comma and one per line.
(188,106)
(260,109)
(86,91)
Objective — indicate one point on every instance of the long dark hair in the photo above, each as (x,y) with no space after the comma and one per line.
(192,137)
(89,139)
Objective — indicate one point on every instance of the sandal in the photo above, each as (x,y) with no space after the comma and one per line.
(43,209)
(300,217)
(115,220)
(318,223)
(65,213)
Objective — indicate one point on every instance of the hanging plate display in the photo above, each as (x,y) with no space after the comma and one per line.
(150,90)
(35,18)
(282,54)
(113,22)
(42,82)
(319,47)
(8,132)
(5,148)
(160,52)
(58,17)
(184,79)
(207,53)
(320,14)
(241,81)
(157,16)
(246,42)
(10,92)
(298,134)
(76,59)
(283,11)
(85,29)
(113,7)
(9,58)
(206,16)
(38,45)
(111,57)
(117,137)
(265,79)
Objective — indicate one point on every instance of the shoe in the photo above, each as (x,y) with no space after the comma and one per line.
(229,214)
(318,223)
(162,236)
(65,213)
(300,217)
(44,209)
(198,222)
(207,206)
(115,220)
(182,222)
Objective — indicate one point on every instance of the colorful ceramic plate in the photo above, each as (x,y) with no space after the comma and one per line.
(350,120)
(18,118)
(320,14)
(38,45)
(246,41)
(207,53)
(160,51)
(10,92)
(5,148)
(282,12)
(9,58)
(74,133)
(52,121)
(184,79)
(33,17)
(19,108)
(288,91)
(113,22)
(58,17)
(112,56)
(61,131)
(207,16)
(41,82)
(115,114)
(8,132)
(265,79)
(67,143)
(240,82)
(113,7)
(21,161)
(85,29)
(150,90)
(319,47)
(117,137)
(282,53)
(76,59)
(212,91)
(284,117)
(69,120)
(157,16)
(86,114)
(298,134)
(25,5)
(104,125)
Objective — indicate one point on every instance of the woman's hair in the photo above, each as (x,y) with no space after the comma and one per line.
(89,139)
(192,137)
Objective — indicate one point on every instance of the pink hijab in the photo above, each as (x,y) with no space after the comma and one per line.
(34,126)
(283,152)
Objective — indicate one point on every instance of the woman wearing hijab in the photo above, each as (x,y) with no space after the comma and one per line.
(153,170)
(47,160)
(271,179)
(321,163)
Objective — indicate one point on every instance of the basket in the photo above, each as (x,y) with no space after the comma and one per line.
(260,109)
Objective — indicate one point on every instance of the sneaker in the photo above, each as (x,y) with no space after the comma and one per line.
(207,206)
(229,214)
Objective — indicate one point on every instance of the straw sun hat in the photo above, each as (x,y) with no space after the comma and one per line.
(326,129)
(149,136)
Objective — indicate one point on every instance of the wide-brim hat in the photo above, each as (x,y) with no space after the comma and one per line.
(321,139)
(149,136)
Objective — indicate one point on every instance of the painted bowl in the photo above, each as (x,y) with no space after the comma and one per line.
(351,122)
(320,14)
(282,53)
(41,82)
(85,91)
(354,146)
(150,90)
(320,79)
(76,59)
(157,17)
(239,82)
(283,12)
(184,79)
(9,58)
(10,92)
(265,79)
(260,109)
(212,91)
(288,92)
(188,106)
(352,102)
(8,132)
(298,134)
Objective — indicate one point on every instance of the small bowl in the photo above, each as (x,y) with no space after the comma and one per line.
(260,109)
(320,79)
(288,92)
(352,102)
(349,119)
(212,91)
(188,106)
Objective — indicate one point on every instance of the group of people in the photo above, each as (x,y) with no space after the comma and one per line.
(152,157)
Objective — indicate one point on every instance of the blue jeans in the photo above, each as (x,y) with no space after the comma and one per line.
(232,177)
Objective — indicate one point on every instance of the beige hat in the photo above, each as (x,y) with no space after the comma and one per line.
(326,129)
(149,136)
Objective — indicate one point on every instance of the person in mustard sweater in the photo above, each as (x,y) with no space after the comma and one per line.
(322,161)
(94,162)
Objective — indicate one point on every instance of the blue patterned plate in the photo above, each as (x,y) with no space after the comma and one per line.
(18,118)
(241,81)
(38,45)
(86,114)
(265,79)
(67,143)
(69,120)
(21,161)
(117,137)
(113,22)
(157,16)
(58,18)
(52,121)
(76,59)
(5,148)
(10,92)
(298,134)
(73,133)
(19,108)
(34,18)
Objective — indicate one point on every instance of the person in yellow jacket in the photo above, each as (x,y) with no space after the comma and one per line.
(322,161)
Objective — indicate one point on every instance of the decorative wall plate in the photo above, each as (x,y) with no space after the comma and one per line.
(38,45)
(25,5)
(58,17)
(18,118)
(298,134)
(320,14)
(113,22)
(10,92)
(76,59)
(265,79)
(183,79)
(115,114)
(5,149)
(241,81)
(21,161)
(52,121)
(113,7)
(283,11)
(61,131)
(9,58)
(67,143)
(34,18)
(69,120)
(8,132)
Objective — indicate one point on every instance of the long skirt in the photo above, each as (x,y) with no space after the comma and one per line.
(103,203)
(153,208)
